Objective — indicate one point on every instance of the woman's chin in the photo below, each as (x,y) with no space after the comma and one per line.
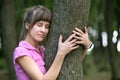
(40,40)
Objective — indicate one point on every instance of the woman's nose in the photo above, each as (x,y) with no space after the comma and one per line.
(43,29)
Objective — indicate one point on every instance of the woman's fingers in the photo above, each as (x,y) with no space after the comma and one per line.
(73,41)
(70,38)
(86,30)
(68,45)
(60,39)
(80,37)
(79,30)
(75,47)
(77,33)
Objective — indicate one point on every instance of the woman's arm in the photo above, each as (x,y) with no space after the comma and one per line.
(63,49)
(32,69)
(82,37)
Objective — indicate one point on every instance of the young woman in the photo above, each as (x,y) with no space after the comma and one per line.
(29,55)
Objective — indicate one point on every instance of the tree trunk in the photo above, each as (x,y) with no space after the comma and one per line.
(117,14)
(67,15)
(111,47)
(8,34)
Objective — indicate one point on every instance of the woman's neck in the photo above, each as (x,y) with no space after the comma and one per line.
(32,42)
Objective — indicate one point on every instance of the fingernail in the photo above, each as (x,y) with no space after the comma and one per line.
(76,28)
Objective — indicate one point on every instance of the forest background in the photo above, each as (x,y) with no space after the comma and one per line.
(101,63)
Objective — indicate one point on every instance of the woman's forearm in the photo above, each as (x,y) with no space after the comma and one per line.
(55,68)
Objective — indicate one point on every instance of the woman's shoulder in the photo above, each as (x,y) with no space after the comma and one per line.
(21,49)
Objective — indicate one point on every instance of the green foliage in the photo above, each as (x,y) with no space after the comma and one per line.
(97,22)
(3,65)
(96,13)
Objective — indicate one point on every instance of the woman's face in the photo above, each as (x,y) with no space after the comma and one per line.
(39,30)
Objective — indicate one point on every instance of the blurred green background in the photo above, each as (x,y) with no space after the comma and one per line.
(101,63)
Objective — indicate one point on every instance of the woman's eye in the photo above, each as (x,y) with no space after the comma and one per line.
(47,26)
(40,24)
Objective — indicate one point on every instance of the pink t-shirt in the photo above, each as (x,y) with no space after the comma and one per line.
(27,49)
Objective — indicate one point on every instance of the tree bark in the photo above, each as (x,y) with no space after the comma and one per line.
(67,15)
(8,34)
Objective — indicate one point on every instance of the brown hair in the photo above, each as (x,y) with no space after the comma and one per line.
(33,15)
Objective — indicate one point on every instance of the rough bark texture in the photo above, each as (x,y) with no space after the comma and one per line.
(8,34)
(67,15)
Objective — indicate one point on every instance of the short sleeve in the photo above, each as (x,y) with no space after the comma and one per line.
(20,51)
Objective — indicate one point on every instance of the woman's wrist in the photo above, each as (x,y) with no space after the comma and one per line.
(90,45)
(60,54)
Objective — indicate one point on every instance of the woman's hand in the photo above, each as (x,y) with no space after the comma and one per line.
(82,37)
(68,45)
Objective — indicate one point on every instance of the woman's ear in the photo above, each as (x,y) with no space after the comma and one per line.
(27,25)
